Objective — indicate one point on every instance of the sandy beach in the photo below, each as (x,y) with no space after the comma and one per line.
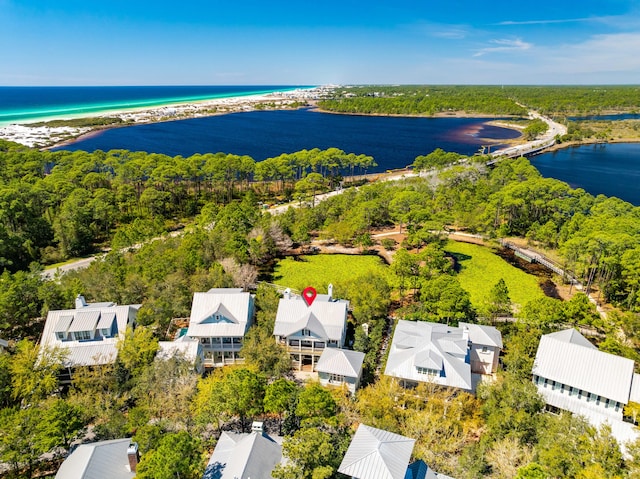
(49,136)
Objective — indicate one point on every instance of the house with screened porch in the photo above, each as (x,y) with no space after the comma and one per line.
(219,320)
(307,328)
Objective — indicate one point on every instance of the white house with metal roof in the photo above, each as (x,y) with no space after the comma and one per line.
(337,367)
(573,375)
(186,348)
(306,330)
(244,456)
(114,459)
(89,334)
(432,352)
(377,454)
(219,320)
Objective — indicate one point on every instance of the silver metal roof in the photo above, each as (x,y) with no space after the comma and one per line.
(424,344)
(340,361)
(84,321)
(377,454)
(86,353)
(564,357)
(243,456)
(106,320)
(325,318)
(98,460)
(234,305)
(482,335)
(190,350)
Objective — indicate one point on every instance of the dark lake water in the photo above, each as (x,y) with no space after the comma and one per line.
(610,169)
(394,142)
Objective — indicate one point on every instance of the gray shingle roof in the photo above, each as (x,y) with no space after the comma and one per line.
(377,454)
(565,358)
(243,456)
(98,460)
(340,361)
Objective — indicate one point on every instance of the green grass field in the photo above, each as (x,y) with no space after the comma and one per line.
(481,270)
(320,270)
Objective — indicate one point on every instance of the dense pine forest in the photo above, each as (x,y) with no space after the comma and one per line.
(556,101)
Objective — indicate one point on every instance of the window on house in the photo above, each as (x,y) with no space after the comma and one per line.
(60,336)
(306,344)
(205,340)
(573,391)
(105,332)
(336,378)
(555,385)
(82,335)
(305,332)
(318,344)
(237,340)
(428,371)
(226,340)
(485,349)
(294,342)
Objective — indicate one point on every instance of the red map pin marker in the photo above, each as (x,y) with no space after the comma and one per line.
(309,295)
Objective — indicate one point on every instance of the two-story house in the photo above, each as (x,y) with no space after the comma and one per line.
(219,320)
(573,375)
(89,333)
(307,329)
(449,356)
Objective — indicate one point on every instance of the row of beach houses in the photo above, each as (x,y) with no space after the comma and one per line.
(570,373)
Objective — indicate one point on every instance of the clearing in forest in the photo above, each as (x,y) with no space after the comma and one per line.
(481,269)
(320,270)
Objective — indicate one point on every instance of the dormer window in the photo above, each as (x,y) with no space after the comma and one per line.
(60,335)
(428,371)
(105,332)
(82,335)
(306,332)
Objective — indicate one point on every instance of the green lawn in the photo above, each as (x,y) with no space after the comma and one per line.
(481,270)
(320,270)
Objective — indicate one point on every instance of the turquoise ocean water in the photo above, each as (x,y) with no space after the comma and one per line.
(31,104)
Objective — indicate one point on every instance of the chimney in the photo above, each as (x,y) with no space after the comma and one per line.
(465,333)
(80,302)
(133,455)
(258,427)
(330,291)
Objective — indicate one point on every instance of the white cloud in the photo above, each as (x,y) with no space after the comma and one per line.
(547,22)
(504,45)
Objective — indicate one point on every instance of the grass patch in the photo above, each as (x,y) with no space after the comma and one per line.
(320,270)
(481,269)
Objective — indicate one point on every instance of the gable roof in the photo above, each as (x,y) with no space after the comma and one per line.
(432,346)
(102,350)
(377,454)
(98,460)
(483,335)
(232,304)
(340,361)
(327,319)
(243,456)
(565,358)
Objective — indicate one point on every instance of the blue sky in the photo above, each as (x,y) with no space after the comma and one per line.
(129,42)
